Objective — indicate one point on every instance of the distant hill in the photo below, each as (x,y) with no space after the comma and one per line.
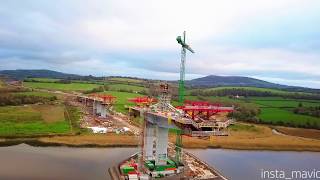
(207,81)
(21,74)
(213,81)
(39,73)
(216,81)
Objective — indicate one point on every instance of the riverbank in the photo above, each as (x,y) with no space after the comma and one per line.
(258,137)
(246,137)
(88,140)
(300,132)
(245,143)
(108,140)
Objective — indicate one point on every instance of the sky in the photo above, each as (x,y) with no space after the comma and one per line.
(273,40)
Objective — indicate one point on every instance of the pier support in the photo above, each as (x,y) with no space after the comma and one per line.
(103,111)
(161,145)
(94,107)
(155,145)
(148,142)
(98,107)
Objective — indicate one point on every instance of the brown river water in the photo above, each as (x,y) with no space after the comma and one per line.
(27,162)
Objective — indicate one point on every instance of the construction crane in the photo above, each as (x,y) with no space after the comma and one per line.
(185,47)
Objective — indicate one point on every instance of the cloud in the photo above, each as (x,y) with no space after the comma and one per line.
(268,39)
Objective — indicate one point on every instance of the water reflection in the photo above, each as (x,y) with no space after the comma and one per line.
(244,165)
(27,162)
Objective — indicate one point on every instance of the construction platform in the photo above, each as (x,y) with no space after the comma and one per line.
(190,126)
(193,169)
(159,156)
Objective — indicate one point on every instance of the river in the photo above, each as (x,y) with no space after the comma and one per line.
(248,165)
(27,162)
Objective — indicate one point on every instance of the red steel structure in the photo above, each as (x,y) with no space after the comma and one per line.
(105,98)
(108,99)
(203,109)
(143,101)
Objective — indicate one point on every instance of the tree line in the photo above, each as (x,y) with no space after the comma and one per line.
(245,112)
(15,100)
(107,88)
(249,92)
(310,111)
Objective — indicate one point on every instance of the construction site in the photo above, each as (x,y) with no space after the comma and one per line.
(157,157)
(100,117)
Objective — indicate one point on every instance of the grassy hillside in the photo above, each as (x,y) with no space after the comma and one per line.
(35,93)
(123,79)
(43,79)
(285,103)
(52,84)
(279,111)
(117,87)
(285,117)
(61,86)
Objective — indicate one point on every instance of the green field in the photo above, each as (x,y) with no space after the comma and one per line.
(285,117)
(61,86)
(117,87)
(281,102)
(44,79)
(32,120)
(35,93)
(122,99)
(277,110)
(122,79)
(278,102)
(284,103)
(272,98)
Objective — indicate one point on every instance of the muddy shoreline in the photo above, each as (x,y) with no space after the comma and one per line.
(96,141)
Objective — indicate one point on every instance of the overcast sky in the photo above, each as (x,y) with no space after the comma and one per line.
(274,40)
